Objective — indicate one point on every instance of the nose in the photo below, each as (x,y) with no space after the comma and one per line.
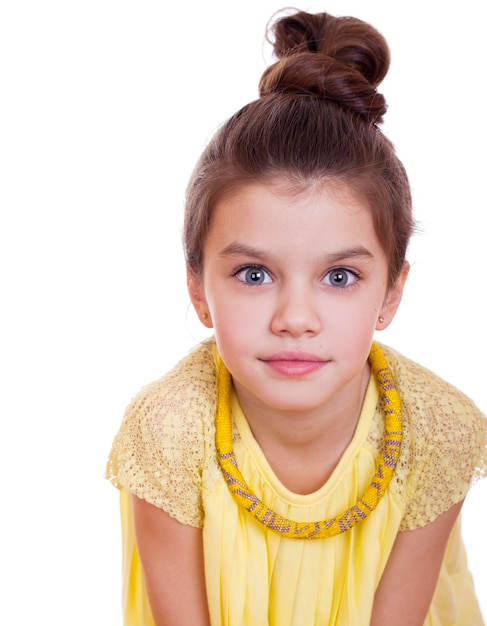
(296,312)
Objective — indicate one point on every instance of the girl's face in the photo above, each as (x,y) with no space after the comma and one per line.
(294,286)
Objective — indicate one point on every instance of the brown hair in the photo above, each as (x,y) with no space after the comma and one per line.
(316,122)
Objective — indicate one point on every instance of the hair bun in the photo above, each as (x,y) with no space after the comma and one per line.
(342,59)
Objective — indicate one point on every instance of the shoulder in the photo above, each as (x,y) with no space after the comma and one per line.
(191,382)
(166,437)
(445,443)
(427,396)
(177,410)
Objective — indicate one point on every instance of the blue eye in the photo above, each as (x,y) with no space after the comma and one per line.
(340,277)
(253,276)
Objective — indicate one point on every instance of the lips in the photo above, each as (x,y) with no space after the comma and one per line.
(294,364)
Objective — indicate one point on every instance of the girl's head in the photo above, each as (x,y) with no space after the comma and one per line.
(315,125)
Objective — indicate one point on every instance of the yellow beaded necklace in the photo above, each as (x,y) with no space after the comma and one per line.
(391,403)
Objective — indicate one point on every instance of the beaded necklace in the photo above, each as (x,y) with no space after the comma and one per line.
(245,497)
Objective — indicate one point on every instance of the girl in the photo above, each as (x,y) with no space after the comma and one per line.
(291,471)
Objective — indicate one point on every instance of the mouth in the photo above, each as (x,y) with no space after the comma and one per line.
(294,364)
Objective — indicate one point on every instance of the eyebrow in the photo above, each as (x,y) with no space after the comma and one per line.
(355,252)
(238,249)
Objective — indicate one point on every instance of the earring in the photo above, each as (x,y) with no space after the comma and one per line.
(204,316)
(381,319)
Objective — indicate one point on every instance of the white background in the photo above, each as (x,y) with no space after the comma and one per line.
(104,107)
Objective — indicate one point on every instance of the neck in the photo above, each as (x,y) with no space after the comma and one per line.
(293,438)
(349,518)
(296,427)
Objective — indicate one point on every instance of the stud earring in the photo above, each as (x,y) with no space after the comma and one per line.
(204,316)
(381,319)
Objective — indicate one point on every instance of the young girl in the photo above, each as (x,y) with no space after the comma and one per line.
(292,471)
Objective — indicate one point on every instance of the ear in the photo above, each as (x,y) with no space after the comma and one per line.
(197,295)
(393,299)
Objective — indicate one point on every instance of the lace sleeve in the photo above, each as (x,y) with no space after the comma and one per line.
(447,448)
(159,451)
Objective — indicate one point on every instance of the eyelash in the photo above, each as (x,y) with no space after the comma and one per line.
(249,267)
(346,270)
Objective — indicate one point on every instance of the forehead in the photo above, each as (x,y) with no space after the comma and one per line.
(276,210)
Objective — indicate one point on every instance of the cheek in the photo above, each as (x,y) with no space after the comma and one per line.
(234,318)
(236,321)
(231,301)
(353,325)
(354,313)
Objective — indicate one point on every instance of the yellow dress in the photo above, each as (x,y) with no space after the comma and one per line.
(165,453)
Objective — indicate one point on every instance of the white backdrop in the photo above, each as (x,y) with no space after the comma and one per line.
(105,106)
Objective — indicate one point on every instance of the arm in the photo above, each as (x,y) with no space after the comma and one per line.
(172,560)
(409,579)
